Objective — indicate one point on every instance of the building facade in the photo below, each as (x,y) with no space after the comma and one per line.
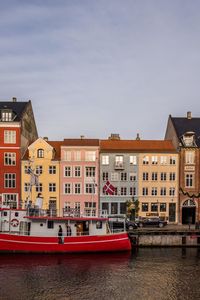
(43,159)
(17,131)
(146,171)
(79,176)
(185,133)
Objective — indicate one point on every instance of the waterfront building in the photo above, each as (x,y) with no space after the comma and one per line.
(158,174)
(146,171)
(17,131)
(185,133)
(79,175)
(42,160)
(118,170)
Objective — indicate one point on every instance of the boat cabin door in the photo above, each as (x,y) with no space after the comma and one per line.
(82,228)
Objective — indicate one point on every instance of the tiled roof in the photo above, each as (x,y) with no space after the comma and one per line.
(183,125)
(81,142)
(17,107)
(136,146)
(57,147)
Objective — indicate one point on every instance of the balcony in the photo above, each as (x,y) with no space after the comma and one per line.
(119,165)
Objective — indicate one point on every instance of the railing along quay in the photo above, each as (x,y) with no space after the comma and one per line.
(165,237)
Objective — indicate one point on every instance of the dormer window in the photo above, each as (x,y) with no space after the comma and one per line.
(40,153)
(6,115)
(188,139)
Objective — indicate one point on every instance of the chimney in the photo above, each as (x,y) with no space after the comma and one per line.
(14,99)
(45,138)
(82,137)
(114,136)
(189,115)
(138,137)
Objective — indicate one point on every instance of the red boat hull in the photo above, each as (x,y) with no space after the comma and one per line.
(104,243)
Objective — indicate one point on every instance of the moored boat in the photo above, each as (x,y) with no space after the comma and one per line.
(37,231)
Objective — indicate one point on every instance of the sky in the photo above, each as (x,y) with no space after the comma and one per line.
(96,67)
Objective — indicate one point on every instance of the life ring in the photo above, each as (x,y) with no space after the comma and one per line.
(14,222)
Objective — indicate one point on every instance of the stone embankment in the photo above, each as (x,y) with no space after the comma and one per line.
(169,236)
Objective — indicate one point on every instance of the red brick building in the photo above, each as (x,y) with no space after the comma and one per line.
(17,131)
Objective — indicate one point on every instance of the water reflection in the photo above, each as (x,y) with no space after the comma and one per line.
(146,274)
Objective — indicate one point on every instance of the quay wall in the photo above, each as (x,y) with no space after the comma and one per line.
(165,239)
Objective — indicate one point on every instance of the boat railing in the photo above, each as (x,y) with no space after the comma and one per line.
(38,212)
(72,212)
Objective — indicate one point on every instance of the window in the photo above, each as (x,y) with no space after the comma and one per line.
(123,176)
(172,176)
(77,206)
(163,207)
(145,206)
(6,115)
(10,200)
(90,156)
(114,207)
(105,206)
(38,170)
(50,224)
(98,225)
(119,160)
(77,188)
(123,191)
(172,191)
(90,171)
(145,191)
(52,169)
(67,188)
(154,191)
(189,180)
(114,176)
(26,187)
(145,160)
(10,180)
(115,191)
(10,137)
(38,187)
(154,160)
(163,191)
(163,160)
(133,160)
(132,191)
(77,171)
(89,188)
(68,171)
(122,208)
(133,177)
(163,176)
(145,176)
(52,187)
(67,155)
(105,160)
(105,176)
(154,207)
(77,155)
(9,159)
(172,160)
(40,153)
(154,176)
(189,157)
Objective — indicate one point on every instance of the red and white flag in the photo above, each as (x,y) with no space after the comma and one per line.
(109,188)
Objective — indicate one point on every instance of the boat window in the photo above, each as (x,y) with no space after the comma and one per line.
(50,224)
(16,214)
(5,213)
(41,224)
(98,225)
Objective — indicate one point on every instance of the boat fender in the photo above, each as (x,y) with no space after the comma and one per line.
(14,222)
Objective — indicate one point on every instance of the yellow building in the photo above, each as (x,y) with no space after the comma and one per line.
(158,181)
(43,157)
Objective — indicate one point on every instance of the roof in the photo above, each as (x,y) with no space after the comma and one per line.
(81,142)
(137,146)
(183,125)
(17,107)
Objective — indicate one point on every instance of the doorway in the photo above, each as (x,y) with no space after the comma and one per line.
(188,212)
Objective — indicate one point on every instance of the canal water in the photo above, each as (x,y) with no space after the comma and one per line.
(148,274)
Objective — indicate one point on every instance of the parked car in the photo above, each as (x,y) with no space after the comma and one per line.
(151,222)
(118,223)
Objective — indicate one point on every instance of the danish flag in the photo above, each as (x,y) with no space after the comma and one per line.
(109,188)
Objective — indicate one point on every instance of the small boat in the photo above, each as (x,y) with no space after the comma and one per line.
(38,231)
